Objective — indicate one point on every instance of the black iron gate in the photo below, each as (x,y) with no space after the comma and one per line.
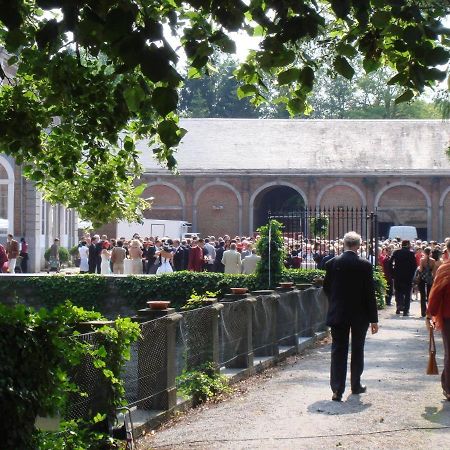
(313,233)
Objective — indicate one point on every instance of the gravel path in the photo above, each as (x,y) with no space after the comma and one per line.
(290,407)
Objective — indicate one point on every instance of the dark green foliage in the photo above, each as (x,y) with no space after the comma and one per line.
(94,291)
(108,73)
(38,355)
(202,384)
(380,287)
(63,254)
(272,232)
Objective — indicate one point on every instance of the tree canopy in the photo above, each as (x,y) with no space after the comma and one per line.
(93,76)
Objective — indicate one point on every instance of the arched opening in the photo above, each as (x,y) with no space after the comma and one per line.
(402,205)
(275,199)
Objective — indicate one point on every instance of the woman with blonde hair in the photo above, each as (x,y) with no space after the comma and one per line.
(135,253)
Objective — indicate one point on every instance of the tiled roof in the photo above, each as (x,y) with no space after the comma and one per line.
(310,146)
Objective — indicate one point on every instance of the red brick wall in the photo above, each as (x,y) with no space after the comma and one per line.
(217,221)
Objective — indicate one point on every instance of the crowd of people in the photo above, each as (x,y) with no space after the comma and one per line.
(149,255)
(14,255)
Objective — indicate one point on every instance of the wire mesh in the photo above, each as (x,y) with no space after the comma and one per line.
(91,395)
(233,323)
(287,317)
(145,374)
(263,325)
(194,340)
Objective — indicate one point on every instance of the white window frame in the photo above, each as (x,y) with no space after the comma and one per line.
(10,183)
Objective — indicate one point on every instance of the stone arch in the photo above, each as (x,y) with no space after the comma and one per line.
(398,213)
(7,179)
(217,206)
(263,188)
(172,210)
(444,214)
(352,186)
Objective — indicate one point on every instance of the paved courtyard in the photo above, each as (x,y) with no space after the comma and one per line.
(291,408)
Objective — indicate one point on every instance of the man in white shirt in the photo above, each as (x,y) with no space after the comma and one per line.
(231,259)
(249,263)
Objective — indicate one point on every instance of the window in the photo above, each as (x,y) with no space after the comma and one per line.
(6,197)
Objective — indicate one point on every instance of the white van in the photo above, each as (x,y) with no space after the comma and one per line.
(403,232)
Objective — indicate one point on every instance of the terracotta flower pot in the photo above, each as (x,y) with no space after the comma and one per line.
(287,284)
(238,291)
(158,304)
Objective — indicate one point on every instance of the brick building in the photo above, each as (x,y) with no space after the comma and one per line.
(24,213)
(233,171)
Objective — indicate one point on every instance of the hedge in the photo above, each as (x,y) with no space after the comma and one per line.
(93,291)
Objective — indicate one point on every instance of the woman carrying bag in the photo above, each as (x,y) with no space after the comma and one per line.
(438,314)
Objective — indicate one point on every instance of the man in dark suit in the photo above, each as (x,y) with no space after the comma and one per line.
(178,256)
(349,287)
(403,267)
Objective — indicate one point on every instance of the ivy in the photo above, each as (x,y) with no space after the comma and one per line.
(39,352)
(202,383)
(270,247)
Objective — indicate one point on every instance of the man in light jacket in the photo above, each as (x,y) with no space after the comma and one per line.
(231,259)
(249,262)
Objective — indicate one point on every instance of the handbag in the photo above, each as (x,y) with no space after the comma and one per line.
(432,368)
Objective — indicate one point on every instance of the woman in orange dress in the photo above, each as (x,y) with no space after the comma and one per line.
(438,314)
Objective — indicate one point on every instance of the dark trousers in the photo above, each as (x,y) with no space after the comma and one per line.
(403,295)
(92,265)
(424,289)
(339,354)
(389,291)
(445,377)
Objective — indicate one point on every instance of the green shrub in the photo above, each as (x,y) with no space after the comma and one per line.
(63,255)
(37,357)
(202,384)
(380,287)
(269,274)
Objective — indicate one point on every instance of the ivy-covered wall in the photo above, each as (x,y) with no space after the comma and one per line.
(114,296)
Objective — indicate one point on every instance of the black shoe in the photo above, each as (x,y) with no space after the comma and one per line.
(397,312)
(359,389)
(337,397)
(405,314)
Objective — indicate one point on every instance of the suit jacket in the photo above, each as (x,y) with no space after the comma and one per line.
(231,259)
(350,289)
(249,263)
(195,263)
(403,265)
(179,257)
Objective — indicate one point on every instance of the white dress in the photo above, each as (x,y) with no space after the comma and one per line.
(165,266)
(105,267)
(84,262)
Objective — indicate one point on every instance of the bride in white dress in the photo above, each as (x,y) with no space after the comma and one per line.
(105,267)
(166,257)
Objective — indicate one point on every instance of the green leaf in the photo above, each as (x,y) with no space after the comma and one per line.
(346,50)
(341,8)
(306,78)
(405,97)
(134,95)
(381,18)
(165,100)
(288,76)
(296,106)
(168,132)
(246,90)
(342,67)
(371,64)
